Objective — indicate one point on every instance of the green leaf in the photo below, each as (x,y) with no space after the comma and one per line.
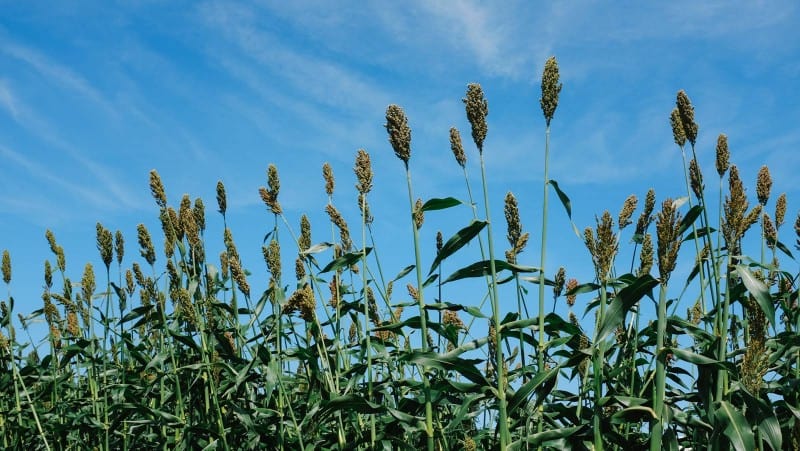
(546,436)
(441,204)
(736,427)
(345,260)
(480,269)
(634,414)
(542,383)
(457,241)
(759,291)
(689,219)
(567,205)
(622,304)
(403,273)
(763,414)
(448,363)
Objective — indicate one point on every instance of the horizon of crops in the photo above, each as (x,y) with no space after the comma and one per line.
(173,350)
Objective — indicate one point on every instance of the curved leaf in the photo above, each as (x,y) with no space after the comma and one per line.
(480,269)
(345,260)
(736,427)
(567,205)
(759,291)
(625,300)
(457,241)
(441,204)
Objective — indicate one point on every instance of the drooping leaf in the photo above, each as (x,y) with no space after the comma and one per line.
(480,269)
(567,205)
(457,241)
(345,260)
(734,426)
(622,304)
(542,383)
(689,219)
(759,291)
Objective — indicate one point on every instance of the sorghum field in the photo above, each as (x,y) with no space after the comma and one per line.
(173,347)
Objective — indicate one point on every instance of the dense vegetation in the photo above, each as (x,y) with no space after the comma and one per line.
(174,350)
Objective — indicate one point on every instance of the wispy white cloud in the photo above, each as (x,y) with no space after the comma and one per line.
(56,73)
(102,189)
(7,99)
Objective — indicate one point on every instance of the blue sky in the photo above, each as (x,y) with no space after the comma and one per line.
(95,94)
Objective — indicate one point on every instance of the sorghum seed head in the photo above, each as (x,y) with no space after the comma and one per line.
(88,282)
(550,89)
(412,291)
(302,301)
(451,317)
(686,111)
(363,170)
(477,109)
(327,174)
(457,147)
(723,155)
(780,210)
(51,240)
(339,222)
(299,269)
(571,285)
(48,274)
(763,185)
(606,246)
(222,199)
(512,219)
(419,214)
(174,278)
(272,256)
(61,261)
(237,273)
(669,241)
(797,229)
(157,189)
(560,280)
(304,242)
(399,132)
(625,214)
(333,286)
(646,255)
(645,218)
(119,246)
(147,250)
(105,244)
(223,264)
(129,286)
(199,211)
(678,134)
(6,266)
(270,196)
(695,178)
(769,231)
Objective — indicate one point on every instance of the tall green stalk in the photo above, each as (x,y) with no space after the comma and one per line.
(400,138)
(658,403)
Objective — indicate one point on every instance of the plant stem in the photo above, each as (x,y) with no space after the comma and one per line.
(501,374)
(423,315)
(657,429)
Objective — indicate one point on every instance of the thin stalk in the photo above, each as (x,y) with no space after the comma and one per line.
(423,314)
(657,429)
(372,430)
(598,357)
(505,436)
(543,255)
